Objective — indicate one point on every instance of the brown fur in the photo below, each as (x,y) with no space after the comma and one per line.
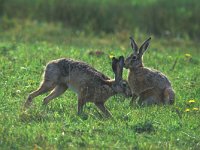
(151,86)
(89,84)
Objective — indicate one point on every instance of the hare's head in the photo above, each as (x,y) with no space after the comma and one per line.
(135,59)
(120,85)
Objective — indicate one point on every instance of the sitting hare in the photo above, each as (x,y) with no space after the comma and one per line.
(89,84)
(151,86)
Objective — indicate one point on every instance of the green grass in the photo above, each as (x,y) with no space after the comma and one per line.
(25,50)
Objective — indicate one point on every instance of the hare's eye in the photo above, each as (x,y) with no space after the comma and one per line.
(124,84)
(134,57)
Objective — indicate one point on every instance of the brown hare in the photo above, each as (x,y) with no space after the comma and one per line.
(89,84)
(150,86)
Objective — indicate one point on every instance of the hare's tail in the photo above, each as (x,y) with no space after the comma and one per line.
(169,96)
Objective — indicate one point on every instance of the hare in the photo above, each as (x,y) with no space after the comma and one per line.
(151,86)
(89,84)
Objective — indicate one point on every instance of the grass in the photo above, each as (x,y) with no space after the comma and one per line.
(24,51)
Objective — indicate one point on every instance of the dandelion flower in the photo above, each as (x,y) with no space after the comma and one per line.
(63,133)
(122,48)
(195,108)
(187,110)
(111,56)
(188,55)
(169,57)
(191,101)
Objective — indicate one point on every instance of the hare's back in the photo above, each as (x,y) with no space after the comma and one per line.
(72,67)
(79,76)
(157,79)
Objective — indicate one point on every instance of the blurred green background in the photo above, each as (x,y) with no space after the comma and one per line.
(172,18)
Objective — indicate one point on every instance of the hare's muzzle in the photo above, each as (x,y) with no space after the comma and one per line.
(126,63)
(128,93)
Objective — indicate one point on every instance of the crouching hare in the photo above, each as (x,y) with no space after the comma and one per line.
(89,84)
(151,86)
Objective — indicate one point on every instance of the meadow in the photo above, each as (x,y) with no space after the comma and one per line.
(34,32)
(26,50)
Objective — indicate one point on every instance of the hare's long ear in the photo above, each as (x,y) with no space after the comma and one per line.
(114,65)
(134,45)
(144,46)
(117,66)
(120,67)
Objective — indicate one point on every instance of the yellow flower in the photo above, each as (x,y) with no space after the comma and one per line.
(195,108)
(122,48)
(187,110)
(191,101)
(169,57)
(188,55)
(111,56)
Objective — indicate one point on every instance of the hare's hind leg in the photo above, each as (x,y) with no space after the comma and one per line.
(45,87)
(149,101)
(58,90)
(101,106)
(169,96)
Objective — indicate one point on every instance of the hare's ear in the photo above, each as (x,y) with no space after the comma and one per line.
(114,65)
(144,46)
(121,61)
(117,66)
(134,45)
(120,67)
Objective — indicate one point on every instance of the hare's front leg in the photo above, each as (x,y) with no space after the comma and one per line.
(45,87)
(101,106)
(58,90)
(81,103)
(133,99)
